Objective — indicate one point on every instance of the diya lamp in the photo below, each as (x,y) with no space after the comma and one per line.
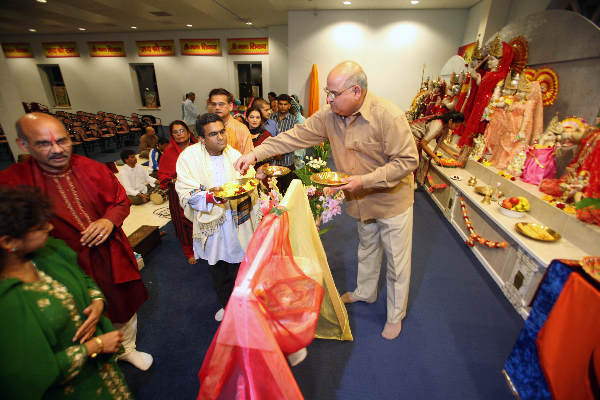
(472,181)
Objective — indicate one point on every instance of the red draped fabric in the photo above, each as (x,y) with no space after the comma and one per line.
(166,173)
(87,191)
(473,124)
(569,342)
(273,311)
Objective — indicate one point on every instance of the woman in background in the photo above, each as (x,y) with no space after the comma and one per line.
(256,124)
(181,138)
(54,341)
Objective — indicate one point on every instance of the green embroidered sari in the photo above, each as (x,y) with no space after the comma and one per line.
(37,323)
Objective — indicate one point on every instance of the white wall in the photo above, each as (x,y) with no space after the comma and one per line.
(108,84)
(391,46)
(497,18)
(476,22)
(523,8)
(278,60)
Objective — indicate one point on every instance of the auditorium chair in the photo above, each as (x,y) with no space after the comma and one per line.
(81,139)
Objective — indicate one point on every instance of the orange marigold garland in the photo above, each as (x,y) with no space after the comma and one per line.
(433,186)
(473,236)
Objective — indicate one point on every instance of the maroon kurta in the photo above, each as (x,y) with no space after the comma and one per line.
(84,193)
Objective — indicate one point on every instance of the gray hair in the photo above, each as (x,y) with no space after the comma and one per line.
(358,78)
(20,133)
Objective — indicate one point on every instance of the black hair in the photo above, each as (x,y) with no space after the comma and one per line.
(221,91)
(22,209)
(256,108)
(272,94)
(162,140)
(177,122)
(455,116)
(204,120)
(190,94)
(284,97)
(126,153)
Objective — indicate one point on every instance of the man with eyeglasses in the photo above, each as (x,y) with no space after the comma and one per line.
(220,102)
(221,229)
(89,206)
(372,142)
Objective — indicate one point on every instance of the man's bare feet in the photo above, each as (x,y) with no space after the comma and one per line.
(192,260)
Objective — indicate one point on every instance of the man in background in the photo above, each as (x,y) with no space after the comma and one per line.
(285,121)
(89,206)
(147,141)
(220,102)
(190,112)
(265,112)
(135,179)
(272,96)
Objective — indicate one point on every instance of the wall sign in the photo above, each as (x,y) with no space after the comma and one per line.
(200,47)
(107,49)
(156,48)
(17,50)
(60,49)
(248,46)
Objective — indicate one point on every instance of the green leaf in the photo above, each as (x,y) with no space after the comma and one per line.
(588,202)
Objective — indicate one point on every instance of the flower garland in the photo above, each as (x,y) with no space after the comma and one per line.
(433,186)
(473,235)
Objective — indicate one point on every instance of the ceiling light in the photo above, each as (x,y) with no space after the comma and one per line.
(248,23)
(42,1)
(133,27)
(414,1)
(347,3)
(32,30)
(189,25)
(82,29)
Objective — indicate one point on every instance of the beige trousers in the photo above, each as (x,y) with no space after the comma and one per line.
(129,330)
(394,237)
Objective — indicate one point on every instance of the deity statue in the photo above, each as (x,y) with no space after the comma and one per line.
(498,63)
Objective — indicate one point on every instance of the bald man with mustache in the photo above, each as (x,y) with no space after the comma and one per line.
(372,142)
(89,206)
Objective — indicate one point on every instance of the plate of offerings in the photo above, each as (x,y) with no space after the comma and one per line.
(537,231)
(591,265)
(236,189)
(484,190)
(329,178)
(276,170)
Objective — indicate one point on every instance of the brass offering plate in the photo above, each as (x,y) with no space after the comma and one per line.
(236,189)
(537,231)
(276,170)
(484,190)
(329,178)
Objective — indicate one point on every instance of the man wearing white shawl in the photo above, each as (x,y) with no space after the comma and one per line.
(221,229)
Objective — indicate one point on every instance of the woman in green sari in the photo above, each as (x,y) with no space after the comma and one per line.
(54,340)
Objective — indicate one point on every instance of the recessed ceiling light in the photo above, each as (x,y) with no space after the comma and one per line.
(32,30)
(189,25)
(248,23)
(134,27)
(414,1)
(347,3)
(82,29)
(42,1)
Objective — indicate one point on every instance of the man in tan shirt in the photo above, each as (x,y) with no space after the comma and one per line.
(220,102)
(372,142)
(147,141)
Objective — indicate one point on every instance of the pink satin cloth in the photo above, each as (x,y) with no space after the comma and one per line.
(540,164)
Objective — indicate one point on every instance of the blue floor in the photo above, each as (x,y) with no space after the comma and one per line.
(456,337)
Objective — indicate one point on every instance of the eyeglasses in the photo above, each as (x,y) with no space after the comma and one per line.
(178,131)
(333,94)
(46,145)
(215,133)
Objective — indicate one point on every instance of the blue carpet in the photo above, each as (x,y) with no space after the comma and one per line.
(458,332)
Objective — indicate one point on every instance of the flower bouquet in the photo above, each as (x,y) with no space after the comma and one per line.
(323,207)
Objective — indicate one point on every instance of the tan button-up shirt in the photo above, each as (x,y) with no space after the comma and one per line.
(377,145)
(238,136)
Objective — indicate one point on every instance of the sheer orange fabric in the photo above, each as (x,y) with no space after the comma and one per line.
(273,310)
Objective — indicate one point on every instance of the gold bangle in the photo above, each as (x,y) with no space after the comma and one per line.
(99,341)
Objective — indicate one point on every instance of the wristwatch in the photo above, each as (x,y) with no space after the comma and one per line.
(99,341)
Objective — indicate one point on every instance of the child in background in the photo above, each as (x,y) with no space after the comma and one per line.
(155,155)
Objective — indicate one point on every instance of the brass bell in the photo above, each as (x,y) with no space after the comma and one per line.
(472,181)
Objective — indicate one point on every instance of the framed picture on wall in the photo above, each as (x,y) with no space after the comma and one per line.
(61,98)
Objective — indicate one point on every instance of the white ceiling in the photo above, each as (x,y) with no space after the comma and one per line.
(66,16)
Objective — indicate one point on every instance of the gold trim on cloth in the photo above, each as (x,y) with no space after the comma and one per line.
(113,382)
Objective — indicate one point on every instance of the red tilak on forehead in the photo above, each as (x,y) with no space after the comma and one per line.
(52,137)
